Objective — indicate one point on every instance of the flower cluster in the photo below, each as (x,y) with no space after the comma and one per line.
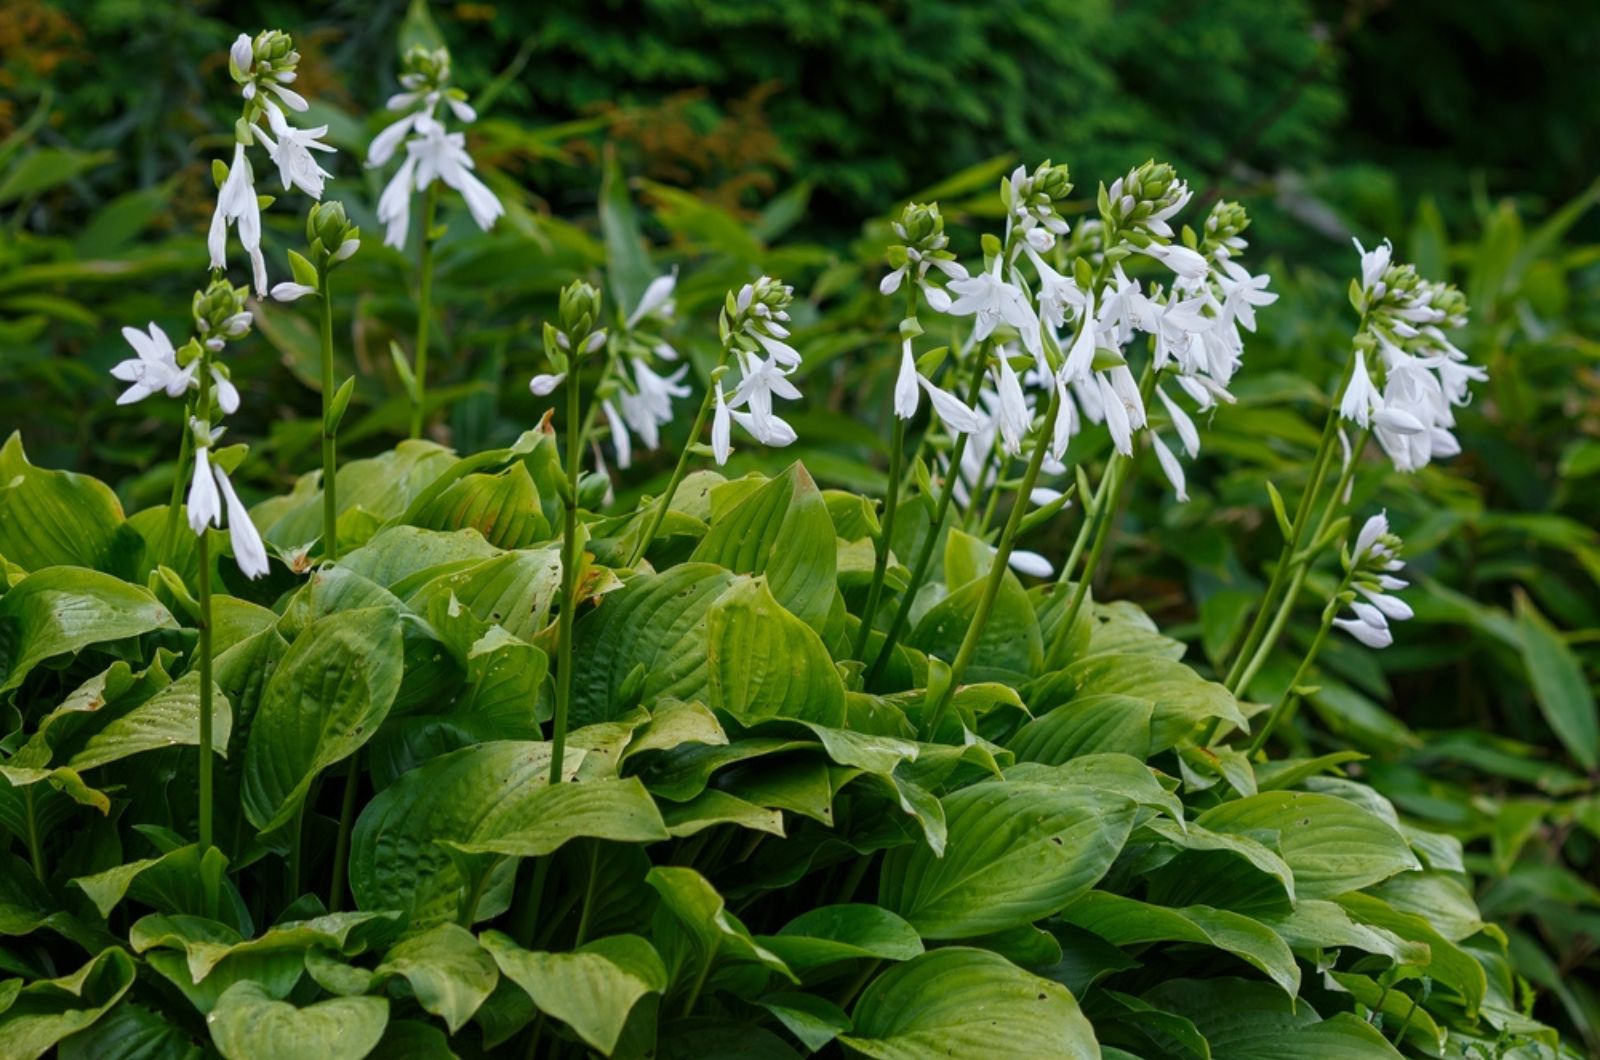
(1424,376)
(1078,312)
(643,402)
(752,328)
(263,67)
(922,247)
(432,151)
(1371,565)
(220,317)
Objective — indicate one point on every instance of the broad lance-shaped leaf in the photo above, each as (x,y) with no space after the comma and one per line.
(957,1001)
(832,933)
(1254,1021)
(170,718)
(448,972)
(656,624)
(43,1012)
(762,662)
(403,557)
(782,531)
(1011,648)
(592,989)
(503,507)
(1129,922)
(487,803)
(327,697)
(1183,705)
(515,589)
(248,1023)
(58,518)
(62,610)
(1016,852)
(695,903)
(1332,845)
(130,1031)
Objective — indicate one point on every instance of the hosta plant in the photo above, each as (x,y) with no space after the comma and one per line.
(448,753)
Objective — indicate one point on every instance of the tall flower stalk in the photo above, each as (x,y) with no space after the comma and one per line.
(433,156)
(1400,384)
(922,229)
(752,326)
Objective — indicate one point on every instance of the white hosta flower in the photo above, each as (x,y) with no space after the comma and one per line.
(1374,263)
(721,429)
(619,435)
(204,503)
(153,369)
(434,154)
(761,380)
(957,416)
(288,291)
(991,301)
(657,299)
(1030,563)
(291,151)
(1170,466)
(545,384)
(1180,259)
(1242,293)
(1360,396)
(645,411)
(237,205)
(248,551)
(1122,406)
(1373,560)
(1014,418)
(226,393)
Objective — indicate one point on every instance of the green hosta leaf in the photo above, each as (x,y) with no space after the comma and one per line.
(782,531)
(712,807)
(1563,693)
(814,1020)
(832,933)
(325,700)
(247,1022)
(130,1032)
(696,904)
(44,1012)
(402,557)
(1448,963)
(964,1002)
(449,972)
(657,623)
(1183,705)
(1316,925)
(1128,922)
(57,518)
(762,662)
(1333,846)
(1016,852)
(674,723)
(170,718)
(1255,1021)
(1114,773)
(179,881)
(683,772)
(61,610)
(380,486)
(209,946)
(1200,867)
(503,507)
(592,989)
(536,822)
(1087,724)
(1011,648)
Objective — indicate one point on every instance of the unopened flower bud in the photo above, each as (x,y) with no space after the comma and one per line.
(578,312)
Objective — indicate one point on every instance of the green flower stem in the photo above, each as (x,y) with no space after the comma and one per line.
(203,545)
(1302,567)
(891,502)
(1108,500)
(1289,696)
(665,503)
(997,573)
(880,563)
(341,846)
(1281,572)
(419,368)
(1090,511)
(1001,467)
(330,498)
(35,843)
(569,582)
(169,532)
(941,508)
(588,894)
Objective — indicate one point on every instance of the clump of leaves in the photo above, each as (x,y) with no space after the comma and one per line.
(744,853)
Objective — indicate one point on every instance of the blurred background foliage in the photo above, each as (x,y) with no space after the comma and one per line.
(743,137)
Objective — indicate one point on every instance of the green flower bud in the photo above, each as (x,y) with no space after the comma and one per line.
(328,227)
(219,311)
(425,68)
(577,313)
(921,226)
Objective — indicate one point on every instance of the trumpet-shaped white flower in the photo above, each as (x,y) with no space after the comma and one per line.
(432,155)
(1374,263)
(721,429)
(237,205)
(248,551)
(1030,563)
(291,152)
(957,416)
(1374,558)
(761,380)
(1180,259)
(650,406)
(1014,418)
(991,301)
(1360,396)
(204,502)
(154,368)
(656,300)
